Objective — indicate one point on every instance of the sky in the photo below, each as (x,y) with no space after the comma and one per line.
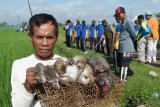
(15,11)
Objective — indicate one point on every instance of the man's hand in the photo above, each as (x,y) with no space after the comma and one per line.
(30,80)
(155,39)
(114,46)
(102,38)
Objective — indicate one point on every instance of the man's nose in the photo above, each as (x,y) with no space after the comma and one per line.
(44,41)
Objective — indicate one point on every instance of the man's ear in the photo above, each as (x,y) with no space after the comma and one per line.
(30,37)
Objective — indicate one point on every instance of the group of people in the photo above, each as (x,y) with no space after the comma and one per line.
(99,36)
(147,37)
(43,33)
(21,28)
(140,37)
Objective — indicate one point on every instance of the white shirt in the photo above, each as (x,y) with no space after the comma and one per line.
(20,96)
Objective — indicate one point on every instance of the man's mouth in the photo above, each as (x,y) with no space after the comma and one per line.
(44,50)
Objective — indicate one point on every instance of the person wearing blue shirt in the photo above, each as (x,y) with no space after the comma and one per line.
(118,27)
(69,32)
(136,24)
(17,28)
(143,33)
(136,27)
(83,36)
(77,33)
(117,34)
(92,36)
(100,33)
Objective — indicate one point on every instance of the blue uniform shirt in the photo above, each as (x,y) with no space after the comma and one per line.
(136,27)
(118,27)
(17,27)
(100,30)
(145,30)
(78,29)
(70,27)
(92,29)
(84,29)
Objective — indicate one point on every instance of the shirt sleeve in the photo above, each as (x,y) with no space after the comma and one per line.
(20,96)
(71,25)
(80,28)
(88,27)
(112,29)
(145,28)
(118,28)
(74,27)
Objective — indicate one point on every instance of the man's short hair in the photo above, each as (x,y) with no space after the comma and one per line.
(93,21)
(68,21)
(140,17)
(78,20)
(83,21)
(104,23)
(38,19)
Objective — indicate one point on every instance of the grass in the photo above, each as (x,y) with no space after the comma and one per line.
(139,88)
(14,45)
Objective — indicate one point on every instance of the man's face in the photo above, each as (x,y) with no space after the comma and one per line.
(147,17)
(121,16)
(93,22)
(140,21)
(83,23)
(136,21)
(78,22)
(67,23)
(43,40)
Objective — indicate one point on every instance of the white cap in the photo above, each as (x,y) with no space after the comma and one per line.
(100,20)
(135,18)
(148,13)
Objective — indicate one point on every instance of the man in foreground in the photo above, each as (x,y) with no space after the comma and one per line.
(43,33)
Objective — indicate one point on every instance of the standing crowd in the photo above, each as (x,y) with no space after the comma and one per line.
(98,36)
(139,38)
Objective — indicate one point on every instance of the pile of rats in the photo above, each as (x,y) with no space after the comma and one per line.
(77,69)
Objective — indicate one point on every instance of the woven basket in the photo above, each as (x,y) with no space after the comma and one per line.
(78,95)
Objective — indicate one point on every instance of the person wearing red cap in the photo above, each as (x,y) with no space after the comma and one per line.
(126,38)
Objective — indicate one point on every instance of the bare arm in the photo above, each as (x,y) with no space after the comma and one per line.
(116,40)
